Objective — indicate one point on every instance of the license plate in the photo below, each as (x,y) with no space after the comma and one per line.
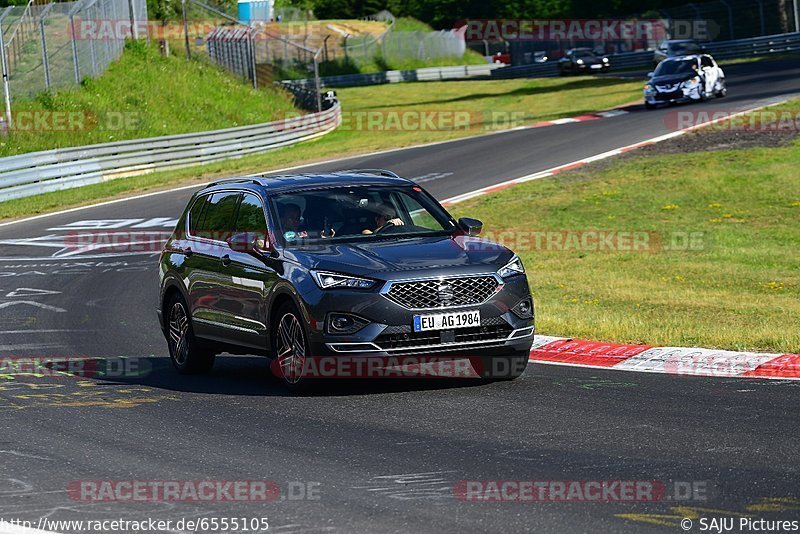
(447,321)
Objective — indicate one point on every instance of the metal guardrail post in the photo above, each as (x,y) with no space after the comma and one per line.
(253,57)
(797,15)
(185,29)
(730,18)
(74,42)
(45,60)
(317,82)
(3,60)
(134,30)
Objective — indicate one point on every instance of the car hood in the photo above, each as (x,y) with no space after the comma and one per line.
(404,257)
(671,79)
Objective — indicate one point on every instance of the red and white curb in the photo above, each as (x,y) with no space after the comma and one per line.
(581,118)
(691,361)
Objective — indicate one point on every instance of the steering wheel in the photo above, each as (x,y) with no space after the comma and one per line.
(389,224)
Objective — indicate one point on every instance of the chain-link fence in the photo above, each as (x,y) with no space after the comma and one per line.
(399,46)
(47,46)
(737,19)
(254,54)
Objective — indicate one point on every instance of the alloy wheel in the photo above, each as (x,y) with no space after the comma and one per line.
(178,333)
(291,348)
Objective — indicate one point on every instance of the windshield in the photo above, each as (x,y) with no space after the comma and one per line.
(684,48)
(583,53)
(684,66)
(358,213)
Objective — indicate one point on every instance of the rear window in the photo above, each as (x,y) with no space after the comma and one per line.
(196,213)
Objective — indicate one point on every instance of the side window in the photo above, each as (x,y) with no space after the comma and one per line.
(419,215)
(251,215)
(218,218)
(196,214)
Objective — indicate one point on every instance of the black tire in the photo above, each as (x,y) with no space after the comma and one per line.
(188,354)
(702,91)
(289,367)
(501,368)
(648,105)
(722,89)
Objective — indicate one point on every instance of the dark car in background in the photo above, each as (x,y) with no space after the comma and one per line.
(580,60)
(684,79)
(356,263)
(676,47)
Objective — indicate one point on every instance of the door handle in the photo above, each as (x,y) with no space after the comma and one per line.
(226,260)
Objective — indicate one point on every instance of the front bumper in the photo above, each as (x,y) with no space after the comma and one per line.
(681,94)
(596,67)
(390,332)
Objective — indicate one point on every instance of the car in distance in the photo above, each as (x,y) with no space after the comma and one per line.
(580,60)
(675,48)
(355,263)
(684,79)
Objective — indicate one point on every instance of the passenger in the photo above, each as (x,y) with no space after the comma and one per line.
(386,216)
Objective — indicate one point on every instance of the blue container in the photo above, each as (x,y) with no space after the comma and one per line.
(254,10)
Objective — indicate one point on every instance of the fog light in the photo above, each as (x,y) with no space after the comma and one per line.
(523,309)
(345,323)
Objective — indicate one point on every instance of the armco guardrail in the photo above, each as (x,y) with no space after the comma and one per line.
(757,46)
(741,48)
(64,168)
(395,76)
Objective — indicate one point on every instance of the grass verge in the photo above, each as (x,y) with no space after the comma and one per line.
(145,95)
(731,217)
(489,104)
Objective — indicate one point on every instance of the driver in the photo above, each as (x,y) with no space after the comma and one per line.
(385,216)
(290,217)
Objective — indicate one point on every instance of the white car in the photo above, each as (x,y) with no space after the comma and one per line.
(684,79)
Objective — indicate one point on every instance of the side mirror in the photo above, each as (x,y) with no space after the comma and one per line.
(650,74)
(249,242)
(471,227)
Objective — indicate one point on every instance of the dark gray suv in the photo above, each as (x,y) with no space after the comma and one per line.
(354,265)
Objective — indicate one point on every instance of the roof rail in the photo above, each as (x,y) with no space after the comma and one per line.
(379,172)
(248,179)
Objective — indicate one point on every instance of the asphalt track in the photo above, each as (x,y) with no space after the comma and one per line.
(383,456)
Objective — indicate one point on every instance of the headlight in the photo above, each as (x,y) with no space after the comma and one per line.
(511,268)
(605,60)
(329,280)
(580,62)
(648,88)
(693,81)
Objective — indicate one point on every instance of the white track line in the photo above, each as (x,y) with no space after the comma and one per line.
(603,155)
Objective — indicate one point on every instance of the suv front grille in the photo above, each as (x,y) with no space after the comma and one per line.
(444,293)
(411,340)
